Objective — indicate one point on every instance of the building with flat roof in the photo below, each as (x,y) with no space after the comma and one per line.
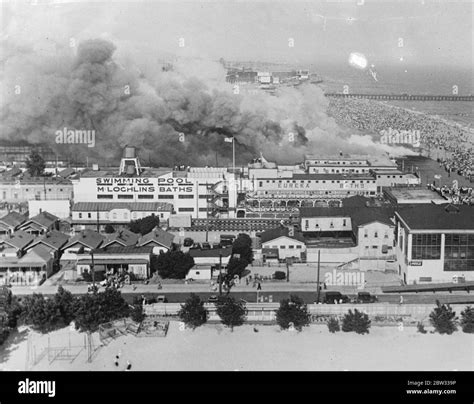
(404,196)
(435,243)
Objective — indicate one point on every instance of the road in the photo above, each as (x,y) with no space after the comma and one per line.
(177,293)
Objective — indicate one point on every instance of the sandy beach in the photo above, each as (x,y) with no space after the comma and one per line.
(214,347)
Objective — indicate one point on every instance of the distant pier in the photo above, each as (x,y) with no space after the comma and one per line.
(404,97)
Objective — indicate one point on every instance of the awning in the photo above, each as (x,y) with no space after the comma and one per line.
(112,261)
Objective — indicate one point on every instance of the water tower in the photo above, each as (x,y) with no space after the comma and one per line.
(129,164)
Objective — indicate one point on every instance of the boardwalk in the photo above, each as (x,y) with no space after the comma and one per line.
(404,97)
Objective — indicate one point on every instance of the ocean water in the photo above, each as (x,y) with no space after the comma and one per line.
(397,79)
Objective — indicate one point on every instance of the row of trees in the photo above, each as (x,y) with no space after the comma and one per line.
(87,311)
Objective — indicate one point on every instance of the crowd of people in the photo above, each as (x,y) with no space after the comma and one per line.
(460,161)
(456,195)
(375,117)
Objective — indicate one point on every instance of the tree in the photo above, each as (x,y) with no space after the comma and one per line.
(443,319)
(109,229)
(467,320)
(14,312)
(98,308)
(356,321)
(243,246)
(66,304)
(137,313)
(193,313)
(293,311)
(172,264)
(42,314)
(35,164)
(333,325)
(144,225)
(231,312)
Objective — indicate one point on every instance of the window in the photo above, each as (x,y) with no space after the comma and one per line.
(306,223)
(114,215)
(80,215)
(185,196)
(145,196)
(185,209)
(282,247)
(376,234)
(298,246)
(165,196)
(459,252)
(366,233)
(291,246)
(125,196)
(385,235)
(202,209)
(202,196)
(374,247)
(343,222)
(426,246)
(105,197)
(89,215)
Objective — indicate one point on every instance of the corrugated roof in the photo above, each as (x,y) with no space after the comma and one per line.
(124,250)
(124,237)
(213,252)
(13,219)
(19,240)
(437,217)
(132,206)
(88,238)
(54,239)
(273,234)
(43,219)
(159,236)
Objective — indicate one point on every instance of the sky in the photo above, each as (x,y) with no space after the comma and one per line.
(422,32)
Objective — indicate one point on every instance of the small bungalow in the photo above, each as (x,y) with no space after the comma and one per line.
(40,224)
(159,239)
(10,222)
(121,238)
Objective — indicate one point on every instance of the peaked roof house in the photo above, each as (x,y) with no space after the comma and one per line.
(160,239)
(40,223)
(10,222)
(19,241)
(89,239)
(284,242)
(122,238)
(53,241)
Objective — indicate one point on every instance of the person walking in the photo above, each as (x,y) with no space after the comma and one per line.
(401,299)
(259,286)
(129,366)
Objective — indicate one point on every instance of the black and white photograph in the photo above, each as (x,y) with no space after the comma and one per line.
(237,186)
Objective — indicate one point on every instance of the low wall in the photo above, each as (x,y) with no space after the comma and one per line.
(266,311)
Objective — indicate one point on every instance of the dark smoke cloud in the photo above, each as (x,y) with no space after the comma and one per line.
(93,91)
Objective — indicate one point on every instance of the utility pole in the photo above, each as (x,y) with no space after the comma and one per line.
(319,287)
(288,269)
(93,271)
(220,274)
(98,226)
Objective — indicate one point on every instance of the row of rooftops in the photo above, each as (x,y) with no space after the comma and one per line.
(90,239)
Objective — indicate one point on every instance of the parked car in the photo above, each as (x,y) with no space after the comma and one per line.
(216,245)
(205,246)
(334,297)
(366,297)
(188,242)
(161,299)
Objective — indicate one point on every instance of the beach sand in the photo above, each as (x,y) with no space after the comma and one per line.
(214,347)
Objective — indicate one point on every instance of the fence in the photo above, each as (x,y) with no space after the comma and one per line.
(266,312)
